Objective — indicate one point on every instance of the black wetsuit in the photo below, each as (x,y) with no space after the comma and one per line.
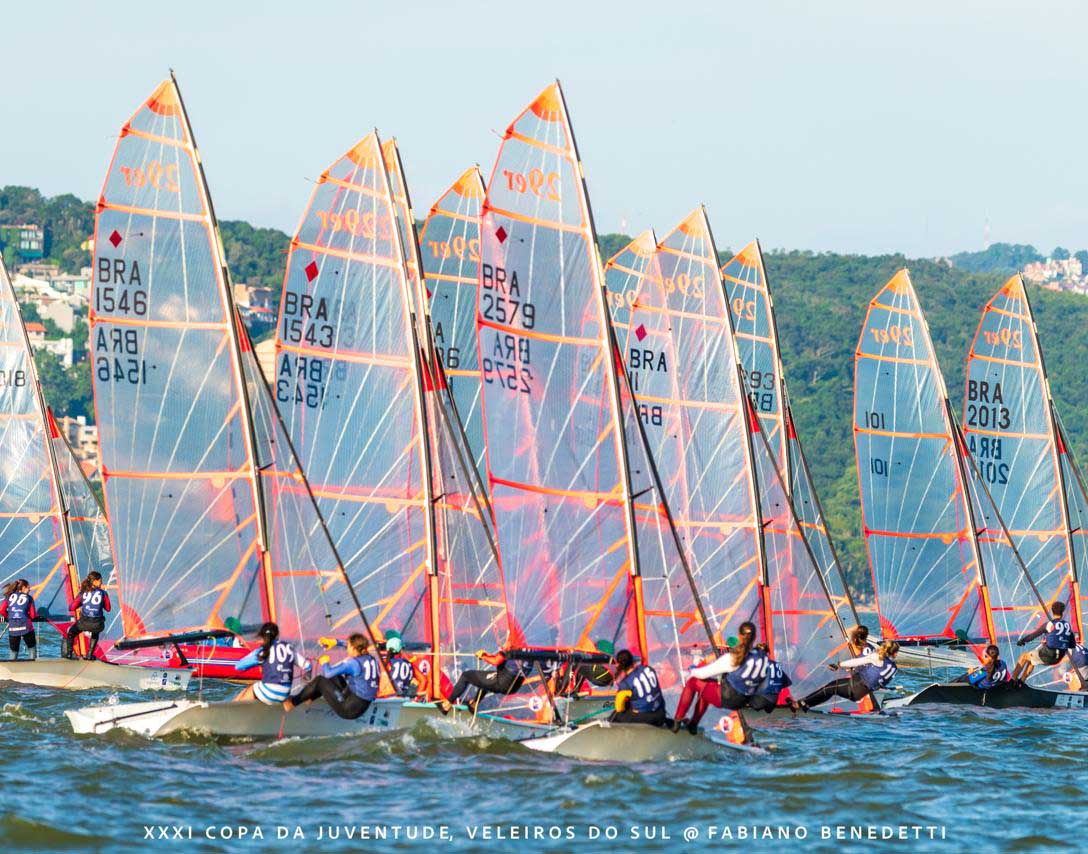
(504,679)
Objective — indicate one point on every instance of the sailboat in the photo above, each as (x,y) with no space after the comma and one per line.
(943,559)
(747,548)
(53,529)
(756,330)
(1014,434)
(589,557)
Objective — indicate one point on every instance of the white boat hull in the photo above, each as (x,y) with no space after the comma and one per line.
(606,741)
(255,720)
(78,675)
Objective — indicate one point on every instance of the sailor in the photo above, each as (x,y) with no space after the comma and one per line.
(774,683)
(858,641)
(89,606)
(17,607)
(992,674)
(869,673)
(349,686)
(1058,639)
(277,660)
(728,682)
(507,678)
(402,671)
(1078,668)
(638,693)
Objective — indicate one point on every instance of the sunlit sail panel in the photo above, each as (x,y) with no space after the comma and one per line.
(450,247)
(470,609)
(682,362)
(1010,431)
(555,457)
(757,345)
(759,351)
(921,547)
(177,469)
(345,385)
(32,540)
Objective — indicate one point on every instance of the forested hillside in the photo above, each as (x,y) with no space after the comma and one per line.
(821,300)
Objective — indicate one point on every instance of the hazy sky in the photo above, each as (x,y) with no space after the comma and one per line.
(821,125)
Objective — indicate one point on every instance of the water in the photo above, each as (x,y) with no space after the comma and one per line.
(994,781)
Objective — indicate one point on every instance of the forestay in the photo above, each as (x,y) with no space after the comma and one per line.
(177,462)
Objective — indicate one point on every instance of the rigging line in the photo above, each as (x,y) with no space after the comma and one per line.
(262,384)
(234,319)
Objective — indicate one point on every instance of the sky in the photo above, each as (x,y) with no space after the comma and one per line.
(923,127)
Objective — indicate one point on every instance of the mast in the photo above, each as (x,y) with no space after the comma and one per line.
(421,402)
(250,435)
(1057,445)
(747,414)
(960,448)
(613,382)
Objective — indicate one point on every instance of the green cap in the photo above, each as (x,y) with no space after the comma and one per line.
(233,624)
(731,641)
(605,646)
(393,643)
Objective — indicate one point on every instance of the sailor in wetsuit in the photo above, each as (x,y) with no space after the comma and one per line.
(91,603)
(507,678)
(1058,639)
(278,660)
(870,673)
(349,686)
(17,607)
(729,682)
(993,673)
(638,693)
(403,671)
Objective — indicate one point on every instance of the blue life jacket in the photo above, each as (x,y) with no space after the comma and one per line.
(752,671)
(775,682)
(1059,635)
(518,667)
(877,675)
(279,667)
(401,673)
(362,674)
(1078,656)
(19,605)
(90,604)
(645,690)
(983,680)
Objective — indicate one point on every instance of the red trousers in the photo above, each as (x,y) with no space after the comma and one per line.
(709,693)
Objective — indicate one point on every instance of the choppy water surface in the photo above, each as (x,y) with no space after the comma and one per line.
(1008,781)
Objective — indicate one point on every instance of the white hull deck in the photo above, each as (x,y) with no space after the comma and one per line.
(79,675)
(255,720)
(610,742)
(936,656)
